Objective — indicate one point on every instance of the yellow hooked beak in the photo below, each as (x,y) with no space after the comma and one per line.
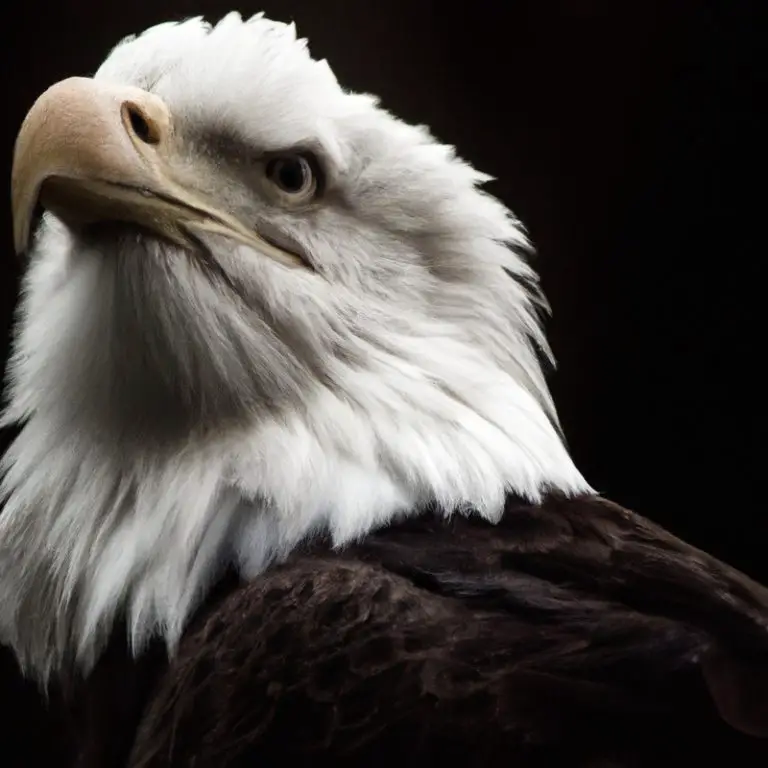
(94,152)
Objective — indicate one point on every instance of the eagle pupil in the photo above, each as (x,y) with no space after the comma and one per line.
(290,174)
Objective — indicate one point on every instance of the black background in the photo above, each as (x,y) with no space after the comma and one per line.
(627,136)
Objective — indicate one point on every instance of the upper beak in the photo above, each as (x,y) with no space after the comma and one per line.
(90,152)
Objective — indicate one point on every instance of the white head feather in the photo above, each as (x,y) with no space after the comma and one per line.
(175,423)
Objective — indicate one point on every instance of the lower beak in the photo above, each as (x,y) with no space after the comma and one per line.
(92,152)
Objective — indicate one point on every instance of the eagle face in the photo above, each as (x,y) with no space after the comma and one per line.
(257,307)
(232,233)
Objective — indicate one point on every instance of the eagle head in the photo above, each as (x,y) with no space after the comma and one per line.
(257,307)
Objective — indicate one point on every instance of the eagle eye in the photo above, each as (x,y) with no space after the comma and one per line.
(294,177)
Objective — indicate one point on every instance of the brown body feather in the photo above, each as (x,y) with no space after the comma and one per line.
(574,633)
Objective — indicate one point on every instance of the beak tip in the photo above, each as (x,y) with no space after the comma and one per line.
(20,235)
(19,245)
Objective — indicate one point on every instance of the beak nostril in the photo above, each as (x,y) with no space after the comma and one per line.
(141,124)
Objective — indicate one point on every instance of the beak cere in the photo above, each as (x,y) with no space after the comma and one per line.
(90,152)
(83,149)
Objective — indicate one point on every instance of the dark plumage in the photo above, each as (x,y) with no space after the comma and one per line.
(574,633)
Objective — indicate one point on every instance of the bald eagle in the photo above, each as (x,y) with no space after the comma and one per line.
(289,483)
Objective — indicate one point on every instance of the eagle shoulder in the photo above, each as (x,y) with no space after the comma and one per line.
(571,632)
